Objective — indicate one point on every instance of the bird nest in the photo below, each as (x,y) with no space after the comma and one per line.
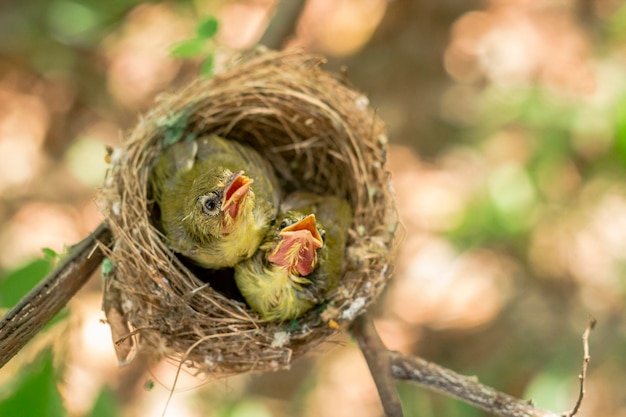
(320,135)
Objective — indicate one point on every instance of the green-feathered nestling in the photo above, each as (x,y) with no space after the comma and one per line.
(217,199)
(300,260)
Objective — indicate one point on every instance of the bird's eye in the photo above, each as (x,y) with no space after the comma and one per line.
(210,204)
(284,224)
(323,235)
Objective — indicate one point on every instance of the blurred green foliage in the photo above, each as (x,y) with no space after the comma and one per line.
(17,284)
(33,392)
(105,405)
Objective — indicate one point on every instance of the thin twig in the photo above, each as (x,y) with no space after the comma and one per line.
(44,301)
(583,375)
(283,24)
(377,357)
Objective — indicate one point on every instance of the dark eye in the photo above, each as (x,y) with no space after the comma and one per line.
(323,235)
(284,223)
(211,204)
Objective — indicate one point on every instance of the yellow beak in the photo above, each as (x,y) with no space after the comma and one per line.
(235,193)
(297,250)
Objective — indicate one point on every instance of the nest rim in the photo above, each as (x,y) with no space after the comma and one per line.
(323,136)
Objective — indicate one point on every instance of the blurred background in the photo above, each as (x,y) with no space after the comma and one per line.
(507,122)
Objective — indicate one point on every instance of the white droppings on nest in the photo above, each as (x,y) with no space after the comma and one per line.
(109,181)
(127,305)
(117,155)
(354,309)
(379,244)
(209,362)
(280,339)
(116,208)
(383,272)
(362,103)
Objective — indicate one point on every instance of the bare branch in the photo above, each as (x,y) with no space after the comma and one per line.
(283,25)
(583,374)
(44,301)
(467,389)
(377,357)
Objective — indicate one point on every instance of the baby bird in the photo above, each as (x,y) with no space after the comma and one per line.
(217,199)
(300,260)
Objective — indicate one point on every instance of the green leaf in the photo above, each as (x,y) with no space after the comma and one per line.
(189,48)
(18,283)
(106,404)
(50,254)
(33,392)
(207,28)
(207,66)
(107,267)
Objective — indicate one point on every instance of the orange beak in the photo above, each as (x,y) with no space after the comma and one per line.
(235,194)
(297,249)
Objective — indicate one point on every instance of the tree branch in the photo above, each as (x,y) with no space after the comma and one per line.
(387,366)
(44,301)
(467,389)
(283,24)
(378,359)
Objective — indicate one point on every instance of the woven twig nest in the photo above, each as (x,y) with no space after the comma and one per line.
(320,136)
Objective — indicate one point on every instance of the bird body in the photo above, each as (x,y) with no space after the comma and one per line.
(217,198)
(300,260)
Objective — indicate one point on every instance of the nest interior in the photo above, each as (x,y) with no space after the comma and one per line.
(321,136)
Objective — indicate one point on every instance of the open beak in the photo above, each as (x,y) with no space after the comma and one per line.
(297,249)
(306,224)
(237,188)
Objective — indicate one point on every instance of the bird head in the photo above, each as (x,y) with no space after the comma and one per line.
(219,199)
(299,238)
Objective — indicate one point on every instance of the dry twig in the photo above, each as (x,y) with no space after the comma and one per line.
(403,367)
(44,301)
(466,389)
(583,374)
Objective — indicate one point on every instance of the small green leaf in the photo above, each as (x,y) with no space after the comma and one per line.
(207,66)
(38,381)
(50,254)
(107,267)
(207,28)
(189,48)
(148,385)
